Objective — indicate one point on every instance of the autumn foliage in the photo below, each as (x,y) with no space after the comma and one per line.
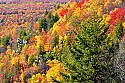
(37,47)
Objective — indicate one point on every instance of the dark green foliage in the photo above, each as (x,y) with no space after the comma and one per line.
(36,19)
(110,70)
(58,6)
(8,76)
(56,18)
(53,19)
(55,41)
(42,24)
(81,58)
(5,40)
(49,55)
(46,12)
(91,58)
(0,21)
(51,23)
(50,14)
(21,34)
(118,32)
(24,36)
(31,59)
(39,50)
(26,57)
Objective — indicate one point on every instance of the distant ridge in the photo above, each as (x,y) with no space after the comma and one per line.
(35,0)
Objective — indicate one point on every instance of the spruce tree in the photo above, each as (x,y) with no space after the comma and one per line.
(46,12)
(42,24)
(80,58)
(86,59)
(53,19)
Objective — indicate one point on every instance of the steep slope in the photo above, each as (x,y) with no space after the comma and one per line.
(77,42)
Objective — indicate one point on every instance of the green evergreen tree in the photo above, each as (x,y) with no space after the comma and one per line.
(5,40)
(118,32)
(46,12)
(91,58)
(58,6)
(53,19)
(26,58)
(50,14)
(42,24)
(22,34)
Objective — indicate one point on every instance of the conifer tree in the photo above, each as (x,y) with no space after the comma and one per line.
(53,19)
(5,41)
(86,59)
(46,12)
(42,24)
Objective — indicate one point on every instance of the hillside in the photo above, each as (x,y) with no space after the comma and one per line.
(76,42)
